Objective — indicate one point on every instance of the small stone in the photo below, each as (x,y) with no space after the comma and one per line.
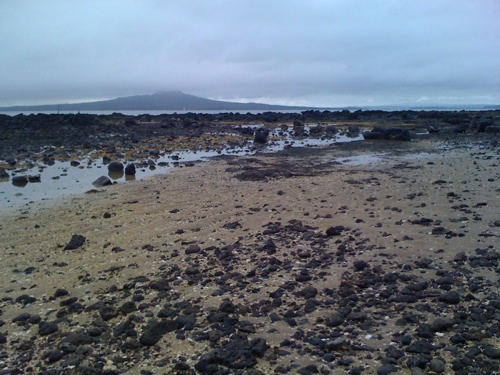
(360,265)
(46,328)
(60,293)
(451,298)
(437,365)
(386,369)
(54,356)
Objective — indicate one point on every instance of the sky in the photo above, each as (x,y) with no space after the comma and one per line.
(325,53)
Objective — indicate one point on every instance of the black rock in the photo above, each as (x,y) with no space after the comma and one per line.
(188,322)
(23,317)
(128,307)
(60,293)
(386,369)
(102,181)
(393,352)
(108,313)
(421,346)
(54,356)
(437,365)
(334,320)
(441,324)
(261,135)
(155,330)
(309,292)
(192,249)
(20,181)
(115,166)
(130,169)
(269,247)
(75,242)
(238,353)
(332,231)
(308,370)
(46,328)
(227,306)
(451,298)
(360,265)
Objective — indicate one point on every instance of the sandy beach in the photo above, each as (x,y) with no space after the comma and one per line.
(301,262)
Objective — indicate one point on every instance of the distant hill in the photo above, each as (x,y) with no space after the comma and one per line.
(163,100)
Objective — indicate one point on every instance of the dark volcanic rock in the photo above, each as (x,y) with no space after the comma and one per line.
(130,169)
(76,241)
(102,181)
(389,133)
(115,166)
(451,298)
(261,135)
(20,180)
(155,330)
(46,328)
(238,353)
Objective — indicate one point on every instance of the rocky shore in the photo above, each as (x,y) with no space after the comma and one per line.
(296,262)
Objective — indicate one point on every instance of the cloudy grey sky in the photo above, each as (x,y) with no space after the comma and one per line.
(315,52)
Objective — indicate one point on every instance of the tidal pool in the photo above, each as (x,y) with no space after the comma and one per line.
(62,178)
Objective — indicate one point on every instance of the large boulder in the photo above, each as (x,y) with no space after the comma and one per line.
(130,169)
(115,166)
(261,136)
(298,127)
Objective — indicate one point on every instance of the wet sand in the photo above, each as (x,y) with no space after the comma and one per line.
(411,213)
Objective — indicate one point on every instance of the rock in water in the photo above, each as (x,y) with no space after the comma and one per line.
(261,135)
(130,169)
(102,181)
(298,127)
(115,166)
(20,180)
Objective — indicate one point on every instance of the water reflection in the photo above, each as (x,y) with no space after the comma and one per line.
(76,177)
(116,175)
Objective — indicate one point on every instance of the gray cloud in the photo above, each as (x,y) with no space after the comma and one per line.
(341,52)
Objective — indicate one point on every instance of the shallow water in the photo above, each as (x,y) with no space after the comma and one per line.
(381,157)
(61,179)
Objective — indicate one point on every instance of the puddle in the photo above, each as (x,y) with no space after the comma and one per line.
(361,159)
(381,157)
(62,178)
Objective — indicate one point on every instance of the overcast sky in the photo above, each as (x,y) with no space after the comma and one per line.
(314,52)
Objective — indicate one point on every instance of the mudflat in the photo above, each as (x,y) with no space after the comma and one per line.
(374,257)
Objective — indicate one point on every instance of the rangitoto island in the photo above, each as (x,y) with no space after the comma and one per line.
(376,256)
(160,101)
